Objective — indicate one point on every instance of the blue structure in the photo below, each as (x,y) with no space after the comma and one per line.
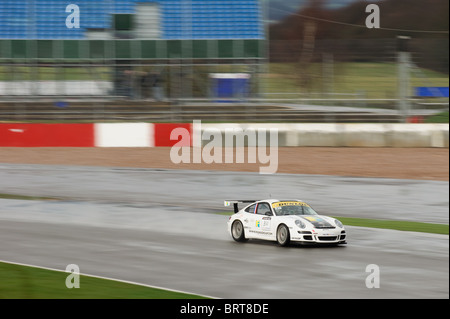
(179,19)
(227,87)
(424,91)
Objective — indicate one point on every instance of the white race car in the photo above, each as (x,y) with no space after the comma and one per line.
(284,222)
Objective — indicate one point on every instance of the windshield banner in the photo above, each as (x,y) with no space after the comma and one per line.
(281,204)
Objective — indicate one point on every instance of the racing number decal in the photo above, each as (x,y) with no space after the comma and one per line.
(261,223)
(264,223)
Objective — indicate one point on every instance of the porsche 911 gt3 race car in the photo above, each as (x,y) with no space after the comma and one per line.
(284,222)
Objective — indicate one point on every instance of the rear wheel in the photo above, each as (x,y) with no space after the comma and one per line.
(283,236)
(237,231)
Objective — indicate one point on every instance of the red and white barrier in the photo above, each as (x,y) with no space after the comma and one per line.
(46,135)
(159,134)
(89,135)
(162,134)
(124,135)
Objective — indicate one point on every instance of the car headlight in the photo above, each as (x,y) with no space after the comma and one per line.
(300,224)
(338,223)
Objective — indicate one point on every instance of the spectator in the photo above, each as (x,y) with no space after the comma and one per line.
(158,92)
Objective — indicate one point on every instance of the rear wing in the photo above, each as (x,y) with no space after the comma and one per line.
(235,203)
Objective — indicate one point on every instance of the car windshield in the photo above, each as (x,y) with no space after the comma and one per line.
(292,208)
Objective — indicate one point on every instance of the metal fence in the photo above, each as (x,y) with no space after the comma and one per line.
(365,71)
(128,69)
(344,73)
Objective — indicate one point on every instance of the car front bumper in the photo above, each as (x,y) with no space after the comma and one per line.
(320,236)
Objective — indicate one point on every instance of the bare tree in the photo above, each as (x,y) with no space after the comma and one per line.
(308,43)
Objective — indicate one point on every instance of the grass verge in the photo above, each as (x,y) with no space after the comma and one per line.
(24,197)
(26,282)
(396,225)
(388,224)
(438,118)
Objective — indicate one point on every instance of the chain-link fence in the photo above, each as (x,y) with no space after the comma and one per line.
(365,72)
(339,71)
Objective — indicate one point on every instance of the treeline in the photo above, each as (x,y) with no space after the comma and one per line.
(342,32)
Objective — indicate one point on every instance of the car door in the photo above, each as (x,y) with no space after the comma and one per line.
(248,219)
(262,225)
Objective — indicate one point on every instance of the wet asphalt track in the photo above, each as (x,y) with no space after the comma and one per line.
(156,227)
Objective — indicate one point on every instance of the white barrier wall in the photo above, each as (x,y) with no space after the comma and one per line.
(51,88)
(336,135)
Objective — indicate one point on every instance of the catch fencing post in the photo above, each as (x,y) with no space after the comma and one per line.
(404,62)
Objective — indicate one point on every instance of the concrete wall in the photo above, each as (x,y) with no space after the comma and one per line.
(342,135)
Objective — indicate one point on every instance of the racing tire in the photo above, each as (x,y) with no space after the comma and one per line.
(283,236)
(237,231)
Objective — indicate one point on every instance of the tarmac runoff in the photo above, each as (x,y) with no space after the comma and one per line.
(110,226)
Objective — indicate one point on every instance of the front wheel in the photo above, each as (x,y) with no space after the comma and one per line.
(283,236)
(237,231)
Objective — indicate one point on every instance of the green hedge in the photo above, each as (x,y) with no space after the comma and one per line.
(131,49)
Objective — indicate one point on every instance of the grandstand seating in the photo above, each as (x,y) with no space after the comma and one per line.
(180,19)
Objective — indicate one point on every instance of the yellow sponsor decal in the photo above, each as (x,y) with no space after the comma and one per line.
(280,204)
(311,219)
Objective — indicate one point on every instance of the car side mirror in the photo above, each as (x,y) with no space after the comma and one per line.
(268,213)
